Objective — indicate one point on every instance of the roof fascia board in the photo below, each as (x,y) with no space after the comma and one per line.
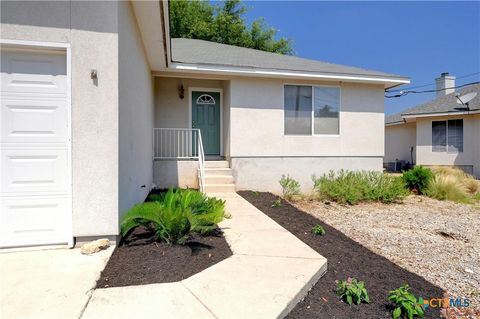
(245,71)
(412,116)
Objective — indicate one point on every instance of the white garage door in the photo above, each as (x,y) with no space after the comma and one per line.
(34,149)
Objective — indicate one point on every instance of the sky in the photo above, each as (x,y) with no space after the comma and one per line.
(416,39)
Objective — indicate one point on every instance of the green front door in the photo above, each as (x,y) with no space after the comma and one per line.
(206,117)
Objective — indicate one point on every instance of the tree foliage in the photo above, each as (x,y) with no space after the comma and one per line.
(224,23)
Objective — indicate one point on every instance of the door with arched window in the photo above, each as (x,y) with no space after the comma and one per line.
(206,117)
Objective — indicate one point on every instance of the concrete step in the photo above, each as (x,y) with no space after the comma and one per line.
(217,164)
(218,171)
(218,179)
(219,188)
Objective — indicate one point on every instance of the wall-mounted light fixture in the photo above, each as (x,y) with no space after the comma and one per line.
(181,91)
(94,76)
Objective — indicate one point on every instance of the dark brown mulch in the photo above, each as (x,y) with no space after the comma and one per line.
(346,258)
(140,260)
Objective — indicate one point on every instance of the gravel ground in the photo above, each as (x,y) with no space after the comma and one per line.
(439,241)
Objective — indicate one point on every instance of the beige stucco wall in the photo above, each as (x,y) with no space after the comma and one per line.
(136,112)
(257,122)
(471,144)
(398,141)
(91,30)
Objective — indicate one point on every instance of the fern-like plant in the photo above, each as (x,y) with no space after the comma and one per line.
(175,214)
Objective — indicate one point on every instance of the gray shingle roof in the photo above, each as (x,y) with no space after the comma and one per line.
(211,53)
(444,104)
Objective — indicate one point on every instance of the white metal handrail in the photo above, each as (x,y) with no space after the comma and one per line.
(180,143)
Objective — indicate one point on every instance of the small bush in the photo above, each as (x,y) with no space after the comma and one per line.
(175,214)
(405,303)
(290,187)
(352,291)
(352,187)
(417,179)
(277,203)
(318,230)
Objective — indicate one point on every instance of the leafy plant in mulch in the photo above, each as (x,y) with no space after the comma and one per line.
(290,187)
(405,303)
(175,214)
(318,230)
(352,187)
(352,291)
(277,203)
(417,179)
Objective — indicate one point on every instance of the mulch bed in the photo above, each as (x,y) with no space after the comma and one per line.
(346,258)
(141,260)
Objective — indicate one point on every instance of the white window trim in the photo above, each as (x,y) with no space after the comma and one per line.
(312,132)
(447,151)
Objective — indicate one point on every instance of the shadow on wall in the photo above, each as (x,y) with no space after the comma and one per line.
(79,15)
(175,173)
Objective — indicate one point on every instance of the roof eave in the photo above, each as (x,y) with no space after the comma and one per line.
(413,116)
(387,81)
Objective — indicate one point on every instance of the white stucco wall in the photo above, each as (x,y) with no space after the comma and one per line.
(136,112)
(91,30)
(167,173)
(470,155)
(398,141)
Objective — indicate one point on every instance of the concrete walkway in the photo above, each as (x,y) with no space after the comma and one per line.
(47,283)
(269,272)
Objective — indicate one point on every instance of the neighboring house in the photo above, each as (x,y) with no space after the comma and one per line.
(98,105)
(440,132)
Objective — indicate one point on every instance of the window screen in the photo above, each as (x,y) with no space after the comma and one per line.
(439,136)
(455,136)
(298,110)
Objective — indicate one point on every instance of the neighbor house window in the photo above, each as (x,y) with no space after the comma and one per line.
(447,136)
(311,110)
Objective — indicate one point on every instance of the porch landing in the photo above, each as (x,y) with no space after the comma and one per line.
(270,271)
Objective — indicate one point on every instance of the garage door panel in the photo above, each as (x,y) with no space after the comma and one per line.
(35,190)
(33,121)
(28,72)
(28,171)
(33,221)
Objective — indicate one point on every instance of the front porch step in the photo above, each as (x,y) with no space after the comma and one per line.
(217,164)
(218,179)
(218,171)
(219,188)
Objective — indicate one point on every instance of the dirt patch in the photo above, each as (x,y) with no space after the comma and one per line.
(346,258)
(141,260)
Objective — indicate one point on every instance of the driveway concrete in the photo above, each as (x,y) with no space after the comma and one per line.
(53,283)
(270,271)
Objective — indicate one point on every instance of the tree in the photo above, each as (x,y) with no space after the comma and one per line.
(223,24)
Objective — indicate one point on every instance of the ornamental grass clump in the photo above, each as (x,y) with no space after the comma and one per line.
(352,187)
(453,184)
(175,214)
(417,179)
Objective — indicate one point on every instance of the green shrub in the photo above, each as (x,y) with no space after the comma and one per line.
(277,203)
(405,303)
(352,291)
(417,179)
(318,230)
(290,187)
(352,187)
(175,214)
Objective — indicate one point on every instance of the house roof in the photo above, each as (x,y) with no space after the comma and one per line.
(191,51)
(440,105)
